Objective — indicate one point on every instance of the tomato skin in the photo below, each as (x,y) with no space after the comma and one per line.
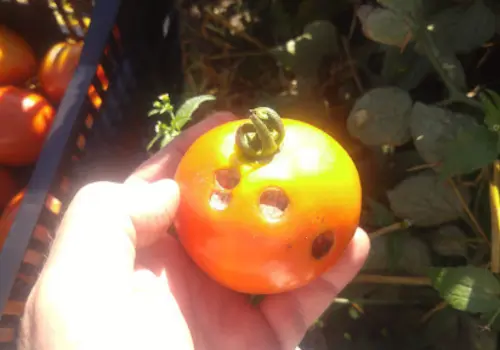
(8,187)
(57,68)
(25,121)
(238,247)
(17,60)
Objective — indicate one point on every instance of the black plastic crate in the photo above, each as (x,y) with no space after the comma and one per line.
(136,44)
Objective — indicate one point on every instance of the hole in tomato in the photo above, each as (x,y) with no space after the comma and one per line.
(322,244)
(227,179)
(219,200)
(273,203)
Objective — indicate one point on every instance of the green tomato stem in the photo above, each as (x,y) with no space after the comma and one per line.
(262,137)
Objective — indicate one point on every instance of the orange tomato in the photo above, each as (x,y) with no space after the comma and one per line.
(274,222)
(8,187)
(17,60)
(25,121)
(57,68)
(9,215)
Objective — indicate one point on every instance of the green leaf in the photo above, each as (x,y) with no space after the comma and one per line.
(303,54)
(433,127)
(380,215)
(153,141)
(463,28)
(381,117)
(473,149)
(153,112)
(410,7)
(167,138)
(408,253)
(405,69)
(467,288)
(449,240)
(453,68)
(185,112)
(426,200)
(384,26)
(157,105)
(491,101)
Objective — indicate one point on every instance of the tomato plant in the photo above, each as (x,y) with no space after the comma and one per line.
(17,60)
(57,68)
(267,205)
(8,187)
(25,120)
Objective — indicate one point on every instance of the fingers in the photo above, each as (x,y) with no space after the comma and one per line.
(164,163)
(96,242)
(291,314)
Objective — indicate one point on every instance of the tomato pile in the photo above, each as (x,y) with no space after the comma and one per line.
(31,89)
(273,207)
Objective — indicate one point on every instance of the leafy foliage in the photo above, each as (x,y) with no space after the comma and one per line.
(167,132)
(384,25)
(381,117)
(467,288)
(472,149)
(449,240)
(463,28)
(304,54)
(432,128)
(426,200)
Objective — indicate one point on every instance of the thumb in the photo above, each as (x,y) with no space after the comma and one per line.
(151,208)
(105,222)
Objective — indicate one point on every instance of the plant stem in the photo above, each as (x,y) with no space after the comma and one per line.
(495,217)
(389,229)
(263,136)
(399,280)
(475,223)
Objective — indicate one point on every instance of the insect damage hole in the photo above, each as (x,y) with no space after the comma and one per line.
(227,178)
(273,203)
(322,244)
(219,200)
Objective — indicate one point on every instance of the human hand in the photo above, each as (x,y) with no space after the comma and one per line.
(114,278)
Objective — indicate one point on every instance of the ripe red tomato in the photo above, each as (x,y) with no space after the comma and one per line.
(8,187)
(57,68)
(9,215)
(269,213)
(25,121)
(17,60)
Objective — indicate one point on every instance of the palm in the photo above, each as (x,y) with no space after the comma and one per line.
(217,317)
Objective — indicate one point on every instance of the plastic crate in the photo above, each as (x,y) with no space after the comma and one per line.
(136,44)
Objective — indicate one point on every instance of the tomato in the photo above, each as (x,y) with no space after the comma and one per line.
(17,60)
(57,68)
(8,216)
(266,206)
(25,121)
(8,187)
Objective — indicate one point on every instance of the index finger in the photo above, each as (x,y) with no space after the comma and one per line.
(164,163)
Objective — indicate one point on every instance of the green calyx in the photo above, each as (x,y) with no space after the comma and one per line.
(262,137)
